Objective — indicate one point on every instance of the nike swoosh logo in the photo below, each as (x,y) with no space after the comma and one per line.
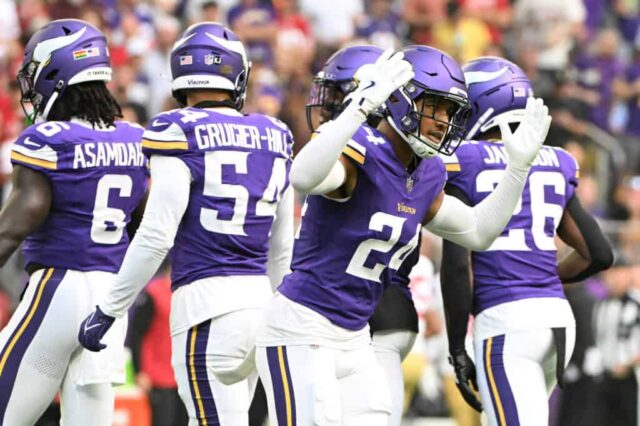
(157,123)
(371,84)
(28,141)
(89,327)
(472,77)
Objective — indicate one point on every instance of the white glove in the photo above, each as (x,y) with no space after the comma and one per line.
(523,145)
(377,81)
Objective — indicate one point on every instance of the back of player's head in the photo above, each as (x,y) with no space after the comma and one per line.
(335,81)
(498,90)
(209,56)
(62,54)
(437,78)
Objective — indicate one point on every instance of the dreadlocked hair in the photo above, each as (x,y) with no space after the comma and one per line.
(89,101)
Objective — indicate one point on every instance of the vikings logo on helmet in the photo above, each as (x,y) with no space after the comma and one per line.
(498,90)
(436,75)
(216,60)
(63,53)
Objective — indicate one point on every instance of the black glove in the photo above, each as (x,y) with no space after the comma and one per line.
(465,372)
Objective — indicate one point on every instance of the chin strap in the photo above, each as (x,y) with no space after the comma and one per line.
(52,99)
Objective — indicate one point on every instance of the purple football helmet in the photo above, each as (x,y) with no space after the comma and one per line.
(437,78)
(63,53)
(498,89)
(210,56)
(335,81)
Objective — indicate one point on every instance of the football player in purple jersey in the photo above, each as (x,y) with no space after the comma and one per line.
(524,329)
(370,192)
(394,324)
(221,201)
(78,176)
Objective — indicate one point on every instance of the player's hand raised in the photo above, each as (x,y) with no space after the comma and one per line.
(377,81)
(93,329)
(465,372)
(523,145)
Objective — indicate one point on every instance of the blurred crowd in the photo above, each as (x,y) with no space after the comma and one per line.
(583,57)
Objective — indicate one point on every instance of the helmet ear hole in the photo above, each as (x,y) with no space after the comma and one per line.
(51,75)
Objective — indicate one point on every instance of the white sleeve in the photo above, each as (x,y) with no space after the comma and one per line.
(281,241)
(476,228)
(314,169)
(168,199)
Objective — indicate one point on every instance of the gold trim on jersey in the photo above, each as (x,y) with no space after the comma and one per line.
(21,158)
(25,324)
(194,380)
(353,154)
(452,167)
(492,383)
(147,143)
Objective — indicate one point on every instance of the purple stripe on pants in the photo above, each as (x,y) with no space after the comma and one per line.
(23,335)
(281,386)
(502,399)
(201,394)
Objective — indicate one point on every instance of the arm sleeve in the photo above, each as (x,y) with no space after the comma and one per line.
(316,168)
(600,252)
(281,241)
(455,282)
(168,199)
(475,228)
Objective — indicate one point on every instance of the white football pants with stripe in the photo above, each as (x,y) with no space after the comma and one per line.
(210,354)
(40,353)
(516,373)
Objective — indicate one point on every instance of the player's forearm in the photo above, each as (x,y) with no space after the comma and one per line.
(281,241)
(456,293)
(318,159)
(476,228)
(143,258)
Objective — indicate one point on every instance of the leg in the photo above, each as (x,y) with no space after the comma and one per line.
(300,384)
(390,348)
(511,377)
(192,376)
(35,348)
(364,388)
(90,404)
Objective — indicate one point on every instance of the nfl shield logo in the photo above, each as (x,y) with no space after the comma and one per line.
(409,184)
(212,59)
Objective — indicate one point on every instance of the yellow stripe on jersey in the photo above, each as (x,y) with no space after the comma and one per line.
(353,154)
(32,311)
(146,143)
(452,167)
(194,380)
(21,158)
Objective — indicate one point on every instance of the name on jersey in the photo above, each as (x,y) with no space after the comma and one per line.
(496,154)
(118,154)
(239,135)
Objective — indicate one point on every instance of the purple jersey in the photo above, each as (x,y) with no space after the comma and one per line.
(521,263)
(239,168)
(347,251)
(97,178)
